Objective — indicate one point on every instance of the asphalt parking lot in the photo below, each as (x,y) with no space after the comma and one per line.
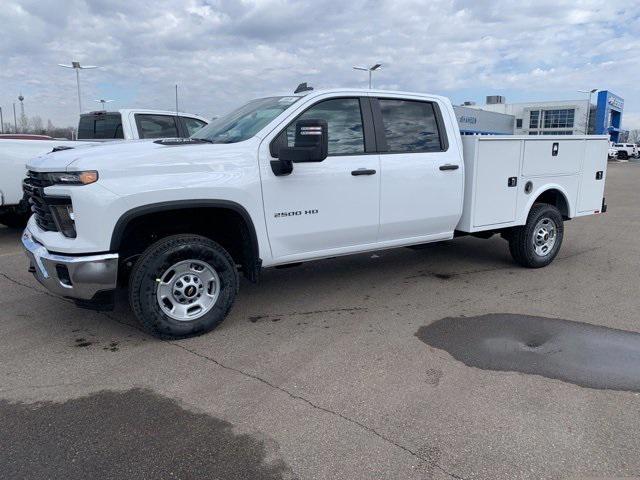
(390,365)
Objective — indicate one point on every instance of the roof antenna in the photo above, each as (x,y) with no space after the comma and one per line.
(303,88)
(177,111)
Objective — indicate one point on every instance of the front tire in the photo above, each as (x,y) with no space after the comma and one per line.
(14,219)
(536,244)
(182,286)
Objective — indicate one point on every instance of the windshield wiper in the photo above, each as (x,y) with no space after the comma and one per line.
(201,140)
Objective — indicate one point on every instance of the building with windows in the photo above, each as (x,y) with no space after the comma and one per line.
(562,117)
(473,121)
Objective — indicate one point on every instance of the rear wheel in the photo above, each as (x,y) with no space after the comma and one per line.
(537,243)
(183,285)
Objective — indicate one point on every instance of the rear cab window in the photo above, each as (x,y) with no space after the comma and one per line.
(100,126)
(411,126)
(156,126)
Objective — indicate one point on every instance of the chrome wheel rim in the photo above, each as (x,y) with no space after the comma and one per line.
(188,289)
(544,237)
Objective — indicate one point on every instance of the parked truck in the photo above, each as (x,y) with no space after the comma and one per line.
(93,128)
(289,179)
(625,151)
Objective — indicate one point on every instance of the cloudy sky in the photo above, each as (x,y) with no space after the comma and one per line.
(222,53)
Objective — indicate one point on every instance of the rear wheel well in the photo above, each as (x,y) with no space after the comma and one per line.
(229,227)
(557,199)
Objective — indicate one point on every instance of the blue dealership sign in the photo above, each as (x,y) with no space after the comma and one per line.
(609,114)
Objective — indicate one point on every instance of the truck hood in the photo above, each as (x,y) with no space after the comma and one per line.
(123,154)
(58,161)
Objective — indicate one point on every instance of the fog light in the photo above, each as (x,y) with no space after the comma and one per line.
(63,275)
(64,218)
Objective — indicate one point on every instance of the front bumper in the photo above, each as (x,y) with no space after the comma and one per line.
(78,277)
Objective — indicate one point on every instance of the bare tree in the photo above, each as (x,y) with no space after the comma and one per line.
(35,125)
(23,123)
(634,136)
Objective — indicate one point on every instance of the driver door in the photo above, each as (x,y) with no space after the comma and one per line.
(329,207)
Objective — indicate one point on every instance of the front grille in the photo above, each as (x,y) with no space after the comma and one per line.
(33,187)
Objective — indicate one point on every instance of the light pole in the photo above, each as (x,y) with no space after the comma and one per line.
(103,102)
(77,67)
(590,92)
(1,122)
(370,69)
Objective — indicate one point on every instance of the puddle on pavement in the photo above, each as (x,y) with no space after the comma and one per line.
(579,353)
(133,434)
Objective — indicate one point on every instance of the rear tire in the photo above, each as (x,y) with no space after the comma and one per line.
(182,286)
(536,244)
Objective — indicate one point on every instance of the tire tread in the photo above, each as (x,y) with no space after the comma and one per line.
(152,323)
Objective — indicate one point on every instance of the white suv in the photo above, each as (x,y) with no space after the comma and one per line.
(626,150)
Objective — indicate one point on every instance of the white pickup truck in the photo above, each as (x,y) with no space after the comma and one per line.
(93,128)
(624,151)
(289,179)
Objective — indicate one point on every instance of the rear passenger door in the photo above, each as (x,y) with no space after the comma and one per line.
(421,177)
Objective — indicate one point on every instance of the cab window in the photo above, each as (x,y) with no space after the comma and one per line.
(156,126)
(344,122)
(192,125)
(410,126)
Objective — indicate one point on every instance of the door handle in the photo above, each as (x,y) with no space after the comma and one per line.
(363,171)
(448,166)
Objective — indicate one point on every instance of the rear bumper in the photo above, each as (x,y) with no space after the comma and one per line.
(78,277)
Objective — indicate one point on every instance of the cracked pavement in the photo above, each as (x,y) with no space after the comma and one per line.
(318,374)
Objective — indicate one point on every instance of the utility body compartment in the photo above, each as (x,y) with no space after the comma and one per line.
(504,175)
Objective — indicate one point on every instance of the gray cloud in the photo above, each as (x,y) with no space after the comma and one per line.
(224,52)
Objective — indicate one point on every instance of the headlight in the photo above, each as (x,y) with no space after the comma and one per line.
(73,178)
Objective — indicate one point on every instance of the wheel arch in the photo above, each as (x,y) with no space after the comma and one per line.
(251,261)
(552,194)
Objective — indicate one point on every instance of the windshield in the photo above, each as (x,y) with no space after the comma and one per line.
(246,121)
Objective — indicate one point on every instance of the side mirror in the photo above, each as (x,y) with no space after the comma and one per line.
(311,145)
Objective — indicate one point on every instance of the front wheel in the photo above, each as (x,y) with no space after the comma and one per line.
(537,243)
(14,219)
(182,286)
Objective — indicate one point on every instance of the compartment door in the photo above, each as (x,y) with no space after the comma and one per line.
(495,194)
(592,184)
(554,156)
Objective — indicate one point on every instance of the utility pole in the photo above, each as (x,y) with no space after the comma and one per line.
(1,121)
(15,119)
